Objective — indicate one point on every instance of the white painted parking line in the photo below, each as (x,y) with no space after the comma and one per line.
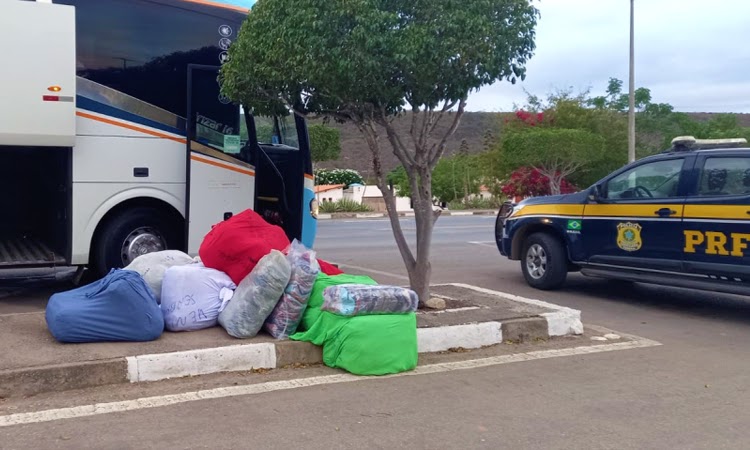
(490,244)
(271,386)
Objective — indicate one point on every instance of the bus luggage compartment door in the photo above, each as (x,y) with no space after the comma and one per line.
(38,78)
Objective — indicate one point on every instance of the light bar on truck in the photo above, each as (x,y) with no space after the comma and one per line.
(691,143)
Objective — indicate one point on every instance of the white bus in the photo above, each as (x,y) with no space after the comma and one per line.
(114,140)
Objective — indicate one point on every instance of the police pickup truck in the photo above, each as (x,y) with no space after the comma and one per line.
(680,218)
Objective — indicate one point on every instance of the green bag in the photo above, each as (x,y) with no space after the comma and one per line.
(378,344)
(312,312)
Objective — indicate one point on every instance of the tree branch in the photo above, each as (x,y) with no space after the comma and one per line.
(420,147)
(436,152)
(399,149)
(371,136)
(446,107)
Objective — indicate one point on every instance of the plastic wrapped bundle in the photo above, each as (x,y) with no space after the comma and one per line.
(357,300)
(286,316)
(256,296)
(193,296)
(152,267)
(313,311)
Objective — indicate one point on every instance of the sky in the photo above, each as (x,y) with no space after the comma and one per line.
(692,54)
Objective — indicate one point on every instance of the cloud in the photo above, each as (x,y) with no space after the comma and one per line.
(689,53)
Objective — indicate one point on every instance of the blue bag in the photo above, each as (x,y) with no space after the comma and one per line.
(119,307)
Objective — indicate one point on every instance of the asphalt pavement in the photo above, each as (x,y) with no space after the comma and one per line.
(689,392)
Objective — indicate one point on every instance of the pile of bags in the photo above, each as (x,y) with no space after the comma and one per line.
(364,328)
(248,278)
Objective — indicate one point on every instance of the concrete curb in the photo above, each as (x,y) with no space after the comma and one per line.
(334,216)
(271,355)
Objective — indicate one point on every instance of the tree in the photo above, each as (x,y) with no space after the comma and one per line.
(555,153)
(368,61)
(325,142)
(565,110)
(529,182)
(616,100)
(453,178)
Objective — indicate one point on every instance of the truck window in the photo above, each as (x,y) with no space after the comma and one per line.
(658,179)
(725,176)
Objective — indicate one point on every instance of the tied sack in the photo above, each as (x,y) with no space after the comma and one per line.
(152,267)
(119,307)
(256,296)
(235,245)
(286,316)
(193,296)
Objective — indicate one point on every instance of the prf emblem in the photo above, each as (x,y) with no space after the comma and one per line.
(629,236)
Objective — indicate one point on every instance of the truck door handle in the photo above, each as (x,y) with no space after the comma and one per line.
(665,212)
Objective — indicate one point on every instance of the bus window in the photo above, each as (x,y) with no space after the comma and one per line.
(142,47)
(288,131)
(281,130)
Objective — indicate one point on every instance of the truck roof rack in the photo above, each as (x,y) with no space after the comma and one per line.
(690,143)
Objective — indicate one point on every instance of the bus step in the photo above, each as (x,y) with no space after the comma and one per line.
(27,252)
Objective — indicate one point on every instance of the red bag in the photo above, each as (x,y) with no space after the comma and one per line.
(329,269)
(235,245)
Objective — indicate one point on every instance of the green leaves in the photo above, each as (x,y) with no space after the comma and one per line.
(348,58)
(453,178)
(325,142)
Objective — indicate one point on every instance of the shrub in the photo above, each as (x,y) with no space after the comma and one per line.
(477,203)
(529,182)
(346,177)
(343,205)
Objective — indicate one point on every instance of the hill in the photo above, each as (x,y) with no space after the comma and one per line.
(356,155)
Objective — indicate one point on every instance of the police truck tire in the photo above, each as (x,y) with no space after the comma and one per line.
(129,233)
(544,261)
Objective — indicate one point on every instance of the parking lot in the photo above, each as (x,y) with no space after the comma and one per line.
(690,391)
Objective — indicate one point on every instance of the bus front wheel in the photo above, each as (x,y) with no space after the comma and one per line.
(129,234)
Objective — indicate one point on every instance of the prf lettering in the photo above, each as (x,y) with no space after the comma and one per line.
(717,243)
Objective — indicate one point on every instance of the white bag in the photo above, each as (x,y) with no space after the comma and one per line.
(193,296)
(152,266)
(256,296)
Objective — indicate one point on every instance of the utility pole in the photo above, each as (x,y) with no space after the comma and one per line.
(631,95)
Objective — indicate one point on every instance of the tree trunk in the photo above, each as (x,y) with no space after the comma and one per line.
(425,217)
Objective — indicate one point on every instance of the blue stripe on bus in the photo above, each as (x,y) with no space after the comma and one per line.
(309,223)
(94,106)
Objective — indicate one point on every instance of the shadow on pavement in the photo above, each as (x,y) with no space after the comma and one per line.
(704,304)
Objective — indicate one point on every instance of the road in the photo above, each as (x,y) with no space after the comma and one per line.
(689,392)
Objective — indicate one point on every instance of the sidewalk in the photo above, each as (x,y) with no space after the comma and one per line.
(33,362)
(474,212)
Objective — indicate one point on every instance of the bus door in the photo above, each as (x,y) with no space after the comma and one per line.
(219,182)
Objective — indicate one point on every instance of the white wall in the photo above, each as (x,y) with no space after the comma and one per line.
(332,195)
(357,193)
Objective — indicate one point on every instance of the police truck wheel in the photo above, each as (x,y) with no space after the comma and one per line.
(544,262)
(129,234)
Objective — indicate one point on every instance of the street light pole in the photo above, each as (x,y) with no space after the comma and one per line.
(631,94)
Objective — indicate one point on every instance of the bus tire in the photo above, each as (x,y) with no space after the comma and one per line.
(544,261)
(130,233)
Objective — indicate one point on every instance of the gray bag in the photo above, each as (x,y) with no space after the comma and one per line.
(256,296)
